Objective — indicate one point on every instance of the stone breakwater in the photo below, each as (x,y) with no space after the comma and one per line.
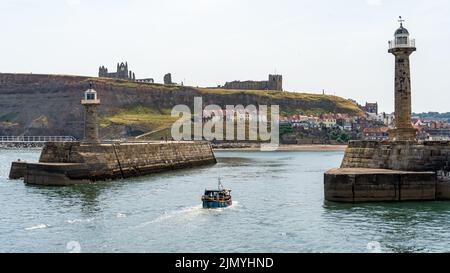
(75,163)
(398,155)
(368,185)
(391,171)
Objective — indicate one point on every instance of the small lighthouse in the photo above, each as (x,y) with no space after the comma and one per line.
(90,103)
(402,47)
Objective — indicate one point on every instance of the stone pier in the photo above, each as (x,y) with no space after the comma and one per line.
(363,185)
(398,155)
(68,163)
(63,164)
(390,171)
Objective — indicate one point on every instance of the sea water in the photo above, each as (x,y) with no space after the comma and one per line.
(278,206)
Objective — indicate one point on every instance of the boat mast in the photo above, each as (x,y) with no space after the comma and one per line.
(220,186)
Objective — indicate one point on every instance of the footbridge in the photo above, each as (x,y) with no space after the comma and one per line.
(32,141)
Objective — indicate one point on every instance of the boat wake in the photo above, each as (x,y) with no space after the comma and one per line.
(121,215)
(187,213)
(74,221)
(40,226)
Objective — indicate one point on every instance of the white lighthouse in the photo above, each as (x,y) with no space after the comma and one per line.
(90,103)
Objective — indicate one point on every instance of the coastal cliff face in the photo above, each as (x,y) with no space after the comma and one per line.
(33,104)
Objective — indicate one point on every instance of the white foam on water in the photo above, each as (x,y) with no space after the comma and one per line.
(293,204)
(121,215)
(187,212)
(234,205)
(40,226)
(79,220)
(184,213)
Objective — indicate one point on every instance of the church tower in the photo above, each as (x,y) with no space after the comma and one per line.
(402,47)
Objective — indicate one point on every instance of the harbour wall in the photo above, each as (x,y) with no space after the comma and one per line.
(18,170)
(398,155)
(374,171)
(74,162)
(372,185)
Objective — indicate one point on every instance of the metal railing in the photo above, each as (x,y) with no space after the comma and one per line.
(35,139)
(397,44)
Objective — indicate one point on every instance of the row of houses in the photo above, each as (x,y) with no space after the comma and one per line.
(341,121)
(426,130)
(371,126)
(234,115)
(432,129)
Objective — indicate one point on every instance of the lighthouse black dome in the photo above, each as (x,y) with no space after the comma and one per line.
(401,30)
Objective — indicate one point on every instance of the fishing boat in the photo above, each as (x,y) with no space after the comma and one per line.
(219,198)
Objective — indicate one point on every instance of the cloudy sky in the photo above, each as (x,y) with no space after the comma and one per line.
(339,46)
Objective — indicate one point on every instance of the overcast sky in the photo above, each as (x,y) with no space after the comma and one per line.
(339,46)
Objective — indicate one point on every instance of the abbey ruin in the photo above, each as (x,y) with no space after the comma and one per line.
(122,73)
(274,82)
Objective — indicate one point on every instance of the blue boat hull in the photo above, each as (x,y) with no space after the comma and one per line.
(216,204)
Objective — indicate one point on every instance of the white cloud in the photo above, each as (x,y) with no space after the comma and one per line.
(374,2)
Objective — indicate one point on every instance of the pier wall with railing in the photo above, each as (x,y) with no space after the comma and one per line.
(31,142)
